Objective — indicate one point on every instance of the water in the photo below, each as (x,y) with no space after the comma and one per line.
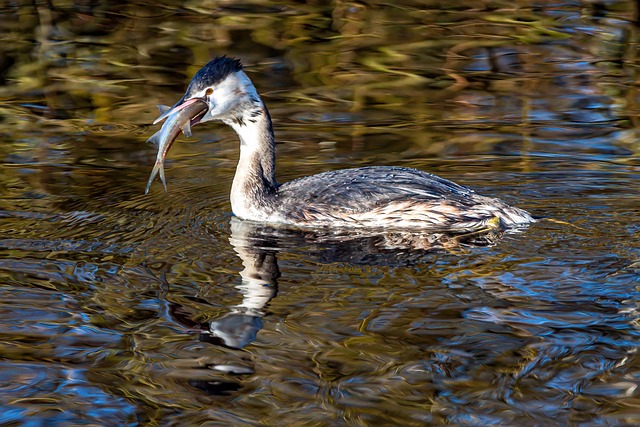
(125,309)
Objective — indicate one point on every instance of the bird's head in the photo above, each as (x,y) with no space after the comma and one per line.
(224,87)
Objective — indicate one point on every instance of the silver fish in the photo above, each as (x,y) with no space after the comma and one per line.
(180,121)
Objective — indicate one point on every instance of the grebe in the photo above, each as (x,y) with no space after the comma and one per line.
(375,196)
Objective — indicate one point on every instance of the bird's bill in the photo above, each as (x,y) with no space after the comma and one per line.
(179,106)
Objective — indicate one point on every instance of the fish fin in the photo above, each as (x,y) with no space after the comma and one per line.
(164,113)
(155,138)
(186,129)
(154,172)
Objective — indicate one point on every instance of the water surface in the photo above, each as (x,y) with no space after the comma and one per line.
(120,308)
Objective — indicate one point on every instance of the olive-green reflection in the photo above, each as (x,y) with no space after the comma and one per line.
(112,301)
(96,64)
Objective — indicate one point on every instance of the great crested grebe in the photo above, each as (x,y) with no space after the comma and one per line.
(374,196)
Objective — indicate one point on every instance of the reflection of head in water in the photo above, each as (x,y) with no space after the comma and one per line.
(233,330)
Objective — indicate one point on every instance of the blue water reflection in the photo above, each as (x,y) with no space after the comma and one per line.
(125,309)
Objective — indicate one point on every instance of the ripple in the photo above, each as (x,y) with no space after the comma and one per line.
(111,299)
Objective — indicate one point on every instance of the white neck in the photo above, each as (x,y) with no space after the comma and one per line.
(254,184)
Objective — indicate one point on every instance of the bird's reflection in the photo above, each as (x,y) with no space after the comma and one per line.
(257,246)
(259,285)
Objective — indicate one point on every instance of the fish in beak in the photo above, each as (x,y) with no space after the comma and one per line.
(180,118)
(180,105)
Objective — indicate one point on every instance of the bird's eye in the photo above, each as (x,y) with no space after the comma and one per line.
(209,91)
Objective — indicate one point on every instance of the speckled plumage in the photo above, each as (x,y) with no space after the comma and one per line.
(375,197)
(386,196)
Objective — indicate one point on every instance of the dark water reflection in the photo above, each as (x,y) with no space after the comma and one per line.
(124,309)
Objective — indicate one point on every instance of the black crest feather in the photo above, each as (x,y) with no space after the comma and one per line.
(214,72)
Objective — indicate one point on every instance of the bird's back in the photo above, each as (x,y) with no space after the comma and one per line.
(387,196)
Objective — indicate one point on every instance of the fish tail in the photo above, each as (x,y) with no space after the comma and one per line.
(164,181)
(157,167)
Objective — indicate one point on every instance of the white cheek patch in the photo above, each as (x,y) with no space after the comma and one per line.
(227,98)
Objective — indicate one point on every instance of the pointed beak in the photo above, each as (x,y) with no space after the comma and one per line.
(179,106)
